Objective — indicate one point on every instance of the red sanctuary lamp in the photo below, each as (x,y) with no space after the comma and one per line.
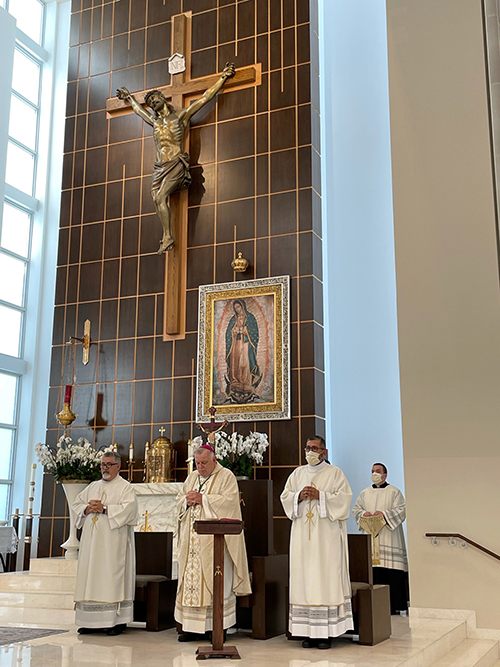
(66,416)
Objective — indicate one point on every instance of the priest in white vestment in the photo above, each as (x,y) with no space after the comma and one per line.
(317,499)
(107,511)
(209,492)
(390,563)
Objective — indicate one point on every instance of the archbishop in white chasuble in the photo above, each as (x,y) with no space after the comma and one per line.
(317,499)
(106,511)
(209,492)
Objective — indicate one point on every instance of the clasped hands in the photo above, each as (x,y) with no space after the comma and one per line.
(309,492)
(194,498)
(94,507)
(377,513)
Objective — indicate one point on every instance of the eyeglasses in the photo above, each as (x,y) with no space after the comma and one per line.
(109,465)
(318,450)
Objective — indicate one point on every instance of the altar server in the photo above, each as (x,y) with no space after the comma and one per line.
(390,564)
(105,582)
(317,498)
(209,492)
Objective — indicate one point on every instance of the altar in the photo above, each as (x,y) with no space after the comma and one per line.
(158,511)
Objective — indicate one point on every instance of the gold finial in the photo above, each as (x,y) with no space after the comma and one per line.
(161,431)
(240,264)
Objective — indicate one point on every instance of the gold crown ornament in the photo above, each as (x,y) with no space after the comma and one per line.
(240,264)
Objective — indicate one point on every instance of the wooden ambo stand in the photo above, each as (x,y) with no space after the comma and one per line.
(218,529)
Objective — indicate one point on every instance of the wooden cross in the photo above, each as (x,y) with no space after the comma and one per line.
(181,91)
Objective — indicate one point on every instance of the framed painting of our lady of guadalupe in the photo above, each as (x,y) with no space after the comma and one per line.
(243,350)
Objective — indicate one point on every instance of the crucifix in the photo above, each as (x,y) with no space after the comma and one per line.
(214,427)
(181,91)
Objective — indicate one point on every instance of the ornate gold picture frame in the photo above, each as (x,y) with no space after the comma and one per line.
(244,351)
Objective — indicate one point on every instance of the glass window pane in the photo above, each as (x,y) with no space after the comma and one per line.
(6,437)
(12,272)
(22,122)
(29,17)
(8,395)
(16,227)
(10,331)
(20,168)
(4,497)
(26,76)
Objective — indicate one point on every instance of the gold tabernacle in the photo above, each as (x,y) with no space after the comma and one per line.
(159,460)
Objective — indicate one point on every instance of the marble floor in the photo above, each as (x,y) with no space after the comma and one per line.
(138,648)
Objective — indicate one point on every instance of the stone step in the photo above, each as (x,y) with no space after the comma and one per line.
(471,653)
(54,566)
(33,600)
(431,640)
(40,618)
(21,581)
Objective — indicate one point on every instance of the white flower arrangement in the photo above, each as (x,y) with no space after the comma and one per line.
(239,454)
(78,461)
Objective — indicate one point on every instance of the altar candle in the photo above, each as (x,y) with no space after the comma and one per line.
(33,473)
(131,452)
(67,393)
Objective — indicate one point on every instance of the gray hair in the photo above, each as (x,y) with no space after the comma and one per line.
(319,439)
(201,449)
(113,455)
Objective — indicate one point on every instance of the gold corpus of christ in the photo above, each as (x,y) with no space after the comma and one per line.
(181,91)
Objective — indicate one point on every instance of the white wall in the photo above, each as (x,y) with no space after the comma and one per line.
(362,381)
(448,299)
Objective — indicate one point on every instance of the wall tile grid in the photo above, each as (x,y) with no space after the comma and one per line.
(256,189)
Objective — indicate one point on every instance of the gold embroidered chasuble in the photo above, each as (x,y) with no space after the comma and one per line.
(220,501)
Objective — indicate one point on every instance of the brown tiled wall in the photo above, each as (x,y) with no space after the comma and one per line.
(256,189)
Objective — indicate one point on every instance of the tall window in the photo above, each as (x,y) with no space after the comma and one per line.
(16,223)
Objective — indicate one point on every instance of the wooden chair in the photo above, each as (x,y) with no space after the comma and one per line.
(154,588)
(371,604)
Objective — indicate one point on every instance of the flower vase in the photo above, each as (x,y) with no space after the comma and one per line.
(71,489)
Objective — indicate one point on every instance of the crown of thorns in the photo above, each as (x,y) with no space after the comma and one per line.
(151,93)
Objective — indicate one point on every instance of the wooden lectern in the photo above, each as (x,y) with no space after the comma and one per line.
(218,528)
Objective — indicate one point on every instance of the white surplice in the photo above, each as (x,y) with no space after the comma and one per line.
(391,502)
(221,500)
(320,590)
(105,581)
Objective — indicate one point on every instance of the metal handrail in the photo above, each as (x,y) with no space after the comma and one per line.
(466,540)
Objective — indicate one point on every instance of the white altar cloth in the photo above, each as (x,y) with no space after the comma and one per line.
(160,500)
